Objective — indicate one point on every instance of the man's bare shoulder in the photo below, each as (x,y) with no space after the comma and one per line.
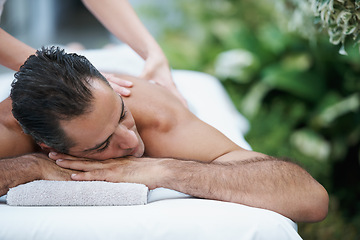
(13,141)
(181,134)
(153,106)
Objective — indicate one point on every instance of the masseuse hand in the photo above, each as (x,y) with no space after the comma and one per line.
(157,69)
(119,85)
(129,169)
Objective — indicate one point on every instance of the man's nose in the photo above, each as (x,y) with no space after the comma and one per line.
(125,138)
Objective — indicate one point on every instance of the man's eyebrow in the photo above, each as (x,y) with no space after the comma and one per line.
(97,146)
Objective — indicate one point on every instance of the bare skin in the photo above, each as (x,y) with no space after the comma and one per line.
(182,153)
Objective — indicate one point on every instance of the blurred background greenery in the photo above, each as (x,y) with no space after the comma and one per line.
(299,91)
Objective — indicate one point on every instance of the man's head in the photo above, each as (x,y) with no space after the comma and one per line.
(59,99)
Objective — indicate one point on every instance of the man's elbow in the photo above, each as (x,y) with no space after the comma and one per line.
(317,208)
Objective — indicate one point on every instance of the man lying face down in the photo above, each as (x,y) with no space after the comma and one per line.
(71,111)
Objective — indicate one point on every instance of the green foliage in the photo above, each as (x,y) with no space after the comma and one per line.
(301,97)
(340,18)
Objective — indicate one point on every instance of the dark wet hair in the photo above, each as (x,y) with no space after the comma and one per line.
(52,86)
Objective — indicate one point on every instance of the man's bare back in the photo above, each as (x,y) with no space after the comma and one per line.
(171,130)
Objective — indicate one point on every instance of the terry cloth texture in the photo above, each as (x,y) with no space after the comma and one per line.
(76,193)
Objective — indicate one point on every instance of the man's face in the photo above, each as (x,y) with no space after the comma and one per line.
(108,131)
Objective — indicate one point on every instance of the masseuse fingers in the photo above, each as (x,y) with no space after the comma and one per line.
(119,85)
(119,81)
(120,90)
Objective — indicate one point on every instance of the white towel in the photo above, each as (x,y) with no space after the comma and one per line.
(76,193)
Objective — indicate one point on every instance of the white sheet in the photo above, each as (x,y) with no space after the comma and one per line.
(162,220)
(169,214)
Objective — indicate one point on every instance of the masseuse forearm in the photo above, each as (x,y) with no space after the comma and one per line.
(276,185)
(120,18)
(13,52)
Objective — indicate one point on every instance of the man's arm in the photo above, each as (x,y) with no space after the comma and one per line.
(263,182)
(15,171)
(22,169)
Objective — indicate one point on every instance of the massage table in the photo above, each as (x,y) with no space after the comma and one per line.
(168,215)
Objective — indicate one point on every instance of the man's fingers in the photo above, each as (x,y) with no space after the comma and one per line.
(79,165)
(96,175)
(56,156)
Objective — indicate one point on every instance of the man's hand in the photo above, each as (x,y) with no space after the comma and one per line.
(30,167)
(119,85)
(129,169)
(50,171)
(47,168)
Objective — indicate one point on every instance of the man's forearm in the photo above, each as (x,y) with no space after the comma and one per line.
(16,171)
(263,182)
(30,167)
(271,184)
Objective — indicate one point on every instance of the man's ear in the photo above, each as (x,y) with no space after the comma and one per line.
(46,148)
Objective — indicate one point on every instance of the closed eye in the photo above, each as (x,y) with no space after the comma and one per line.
(106,145)
(122,117)
(123,111)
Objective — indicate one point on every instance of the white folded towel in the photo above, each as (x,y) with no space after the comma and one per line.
(76,193)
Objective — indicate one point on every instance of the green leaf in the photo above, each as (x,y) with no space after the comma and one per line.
(306,85)
(357,4)
(350,29)
(311,144)
(344,16)
(338,109)
(253,99)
